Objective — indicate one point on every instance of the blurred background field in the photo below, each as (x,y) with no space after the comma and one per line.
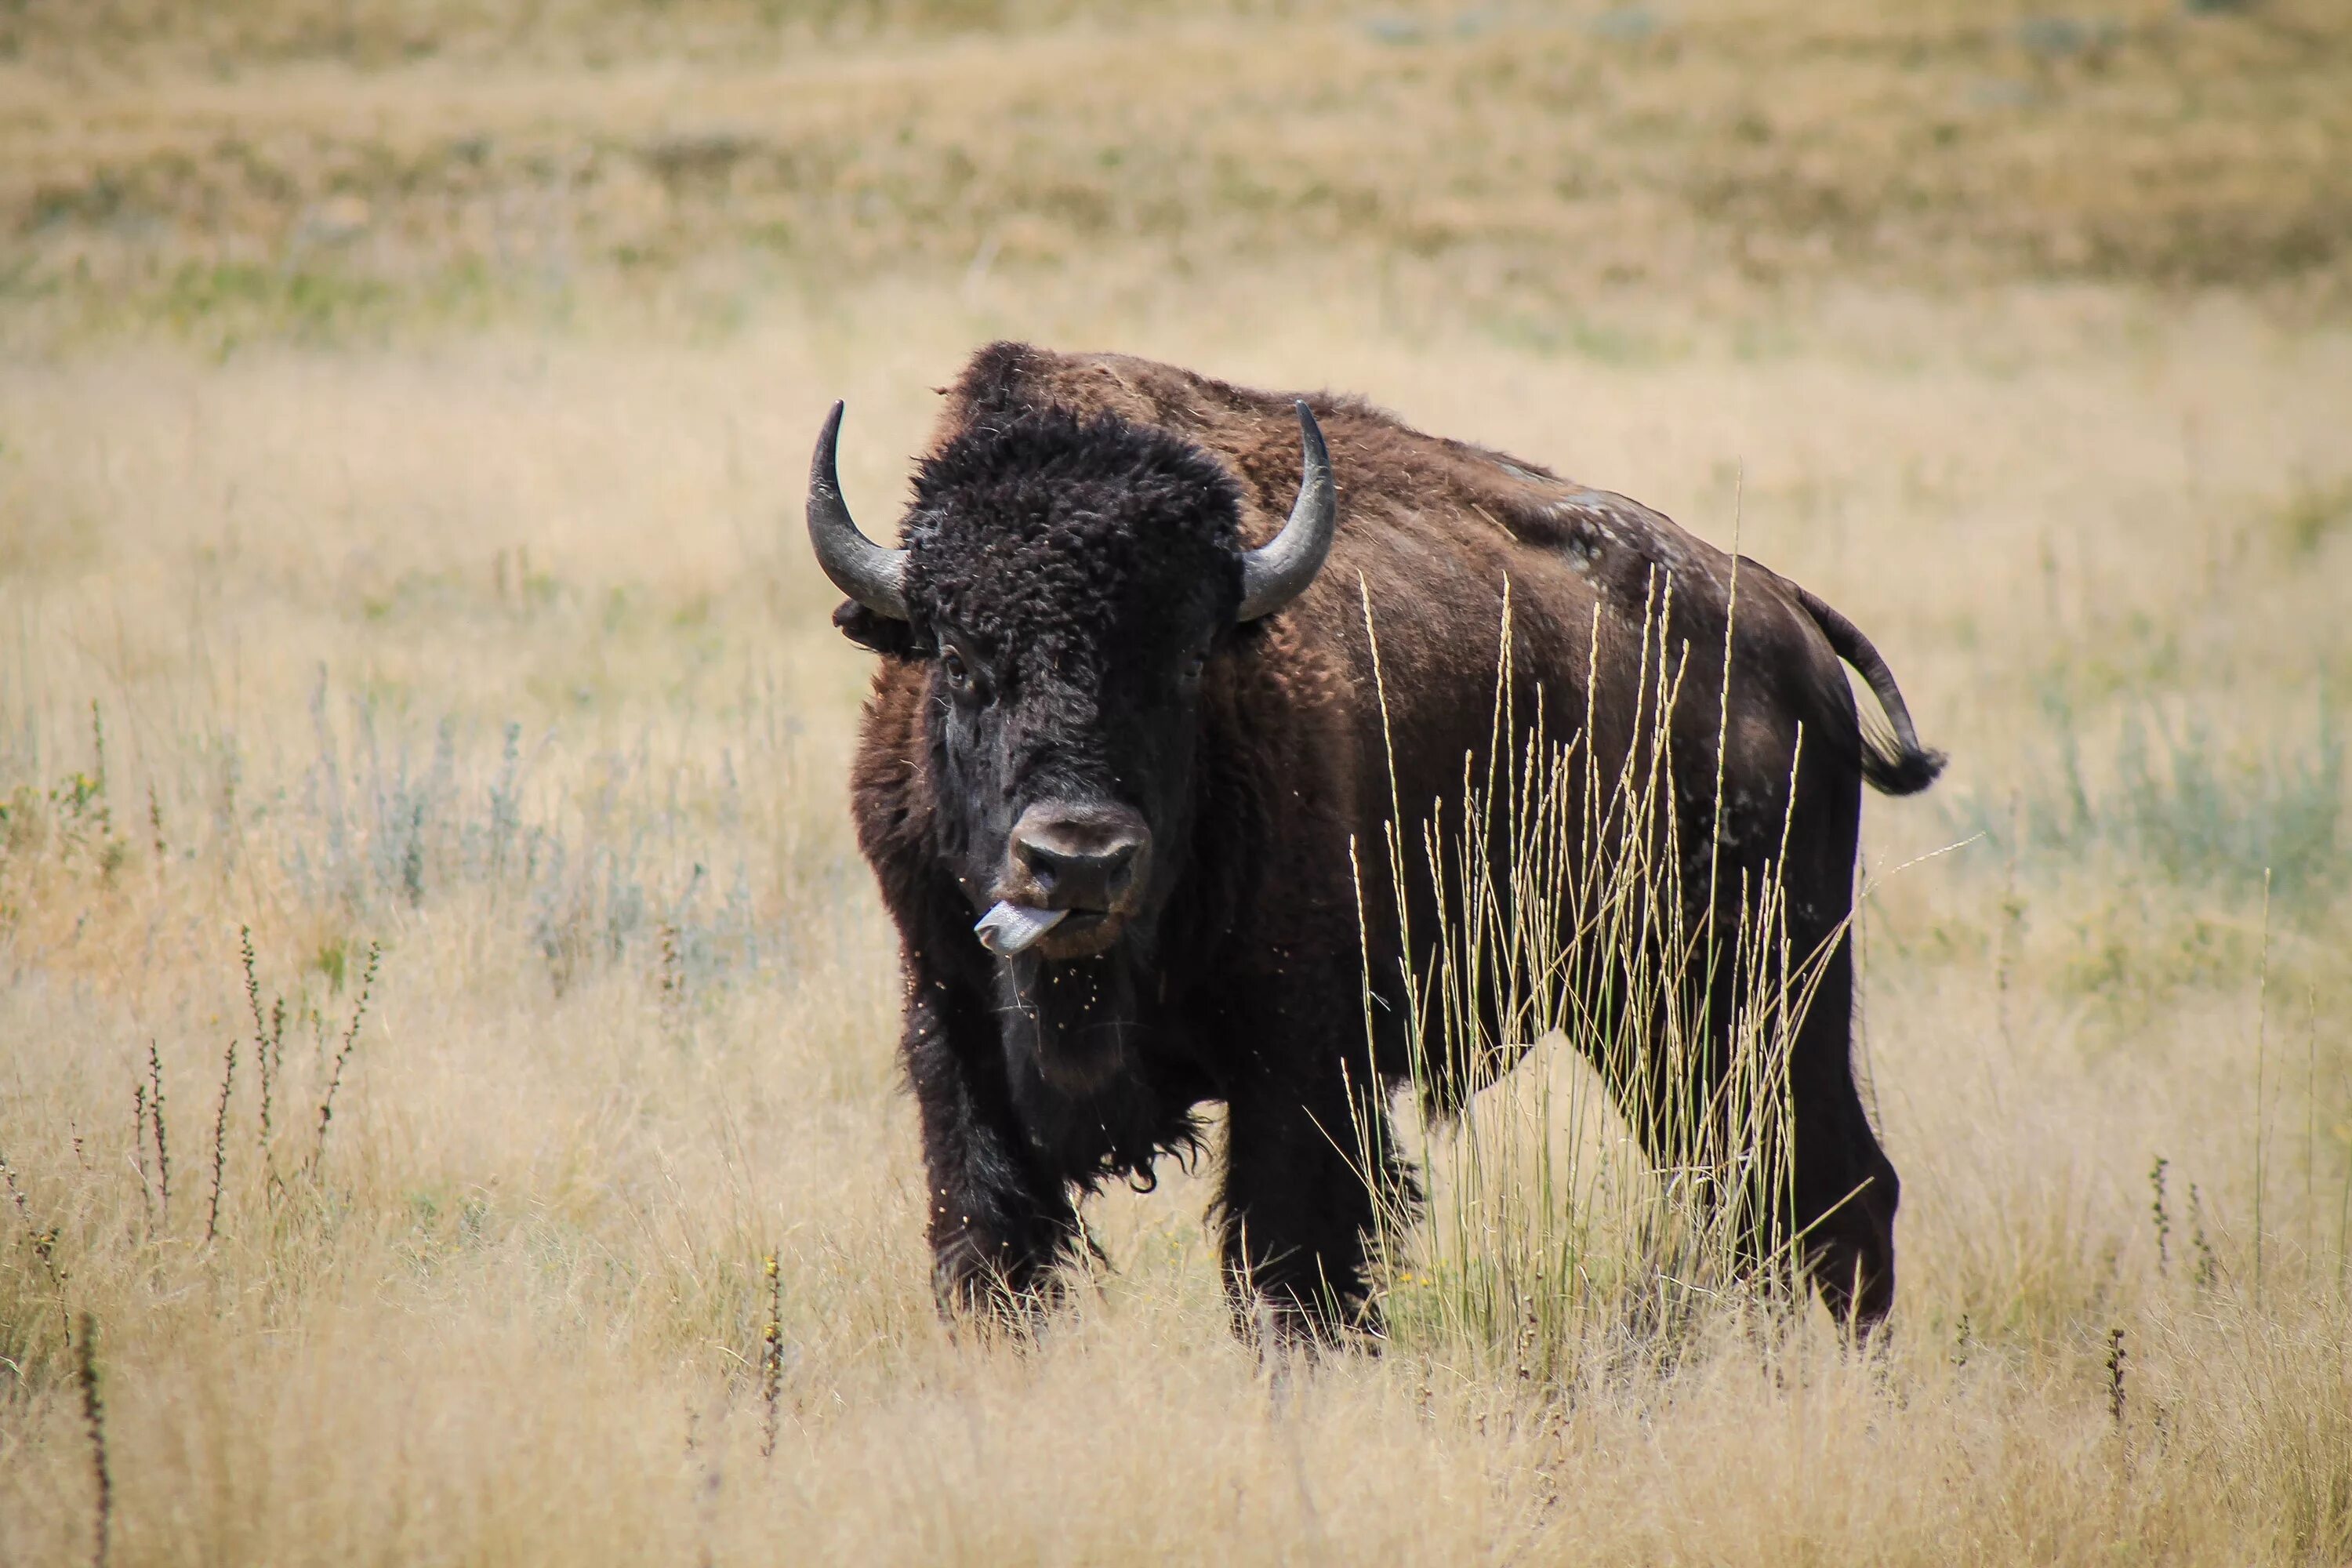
(402,417)
(347,170)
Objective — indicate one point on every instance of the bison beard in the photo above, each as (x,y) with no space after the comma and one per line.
(1075,1020)
(1126,724)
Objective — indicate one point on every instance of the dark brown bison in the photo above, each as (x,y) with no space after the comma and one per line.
(1126,731)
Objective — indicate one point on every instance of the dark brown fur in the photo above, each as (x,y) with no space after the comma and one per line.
(1247,986)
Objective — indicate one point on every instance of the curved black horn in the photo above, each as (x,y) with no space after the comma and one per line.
(1279,570)
(860,568)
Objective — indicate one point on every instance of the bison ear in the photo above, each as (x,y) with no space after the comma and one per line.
(881,633)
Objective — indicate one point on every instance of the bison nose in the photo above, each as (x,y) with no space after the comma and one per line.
(1080,857)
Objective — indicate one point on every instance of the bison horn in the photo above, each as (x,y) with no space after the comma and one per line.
(860,568)
(1279,570)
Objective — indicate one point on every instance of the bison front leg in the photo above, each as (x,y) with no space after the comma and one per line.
(1000,1225)
(1309,1164)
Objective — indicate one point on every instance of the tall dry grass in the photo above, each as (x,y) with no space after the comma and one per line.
(1564,933)
(629,1033)
(485,642)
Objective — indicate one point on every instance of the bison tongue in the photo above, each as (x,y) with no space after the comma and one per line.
(1010,927)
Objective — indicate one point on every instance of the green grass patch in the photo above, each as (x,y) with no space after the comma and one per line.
(2173,798)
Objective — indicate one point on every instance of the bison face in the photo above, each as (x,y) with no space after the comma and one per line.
(1065,766)
(1069,584)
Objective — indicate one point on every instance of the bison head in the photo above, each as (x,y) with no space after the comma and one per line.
(1069,583)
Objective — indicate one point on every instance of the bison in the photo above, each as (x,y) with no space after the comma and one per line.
(1127,744)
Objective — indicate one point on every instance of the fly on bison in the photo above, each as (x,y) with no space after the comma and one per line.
(1165,662)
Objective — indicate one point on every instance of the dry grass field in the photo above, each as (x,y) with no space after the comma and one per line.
(402,412)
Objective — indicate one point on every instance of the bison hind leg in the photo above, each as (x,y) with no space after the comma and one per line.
(1849,1252)
(1845,1189)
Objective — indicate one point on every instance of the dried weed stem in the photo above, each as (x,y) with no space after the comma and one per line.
(350,1038)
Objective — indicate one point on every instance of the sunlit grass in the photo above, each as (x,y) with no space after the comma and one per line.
(480,633)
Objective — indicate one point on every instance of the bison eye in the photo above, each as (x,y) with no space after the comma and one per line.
(1189,672)
(959,673)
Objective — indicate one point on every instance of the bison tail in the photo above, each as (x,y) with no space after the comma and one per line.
(1893,768)
(1894,763)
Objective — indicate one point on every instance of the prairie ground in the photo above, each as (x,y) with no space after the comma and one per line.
(402,418)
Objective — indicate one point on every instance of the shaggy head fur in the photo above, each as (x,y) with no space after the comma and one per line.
(1061,537)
